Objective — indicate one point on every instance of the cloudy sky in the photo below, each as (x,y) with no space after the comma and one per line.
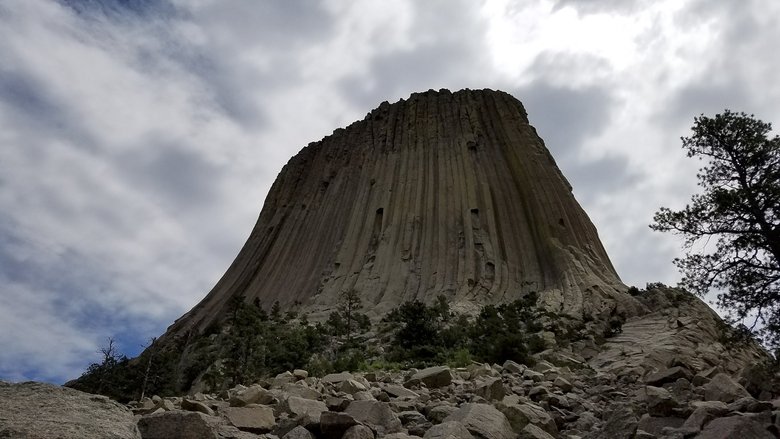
(138,138)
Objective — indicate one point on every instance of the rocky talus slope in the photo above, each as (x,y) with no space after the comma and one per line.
(560,397)
(443,193)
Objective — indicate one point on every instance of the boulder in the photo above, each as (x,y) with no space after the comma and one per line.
(38,410)
(483,421)
(735,427)
(358,432)
(533,432)
(432,377)
(562,384)
(306,411)
(477,370)
(491,389)
(538,393)
(656,424)
(302,391)
(253,395)
(620,424)
(448,430)
(375,414)
(748,404)
(669,375)
(401,436)
(179,425)
(722,388)
(415,422)
(333,424)
(300,374)
(513,367)
(298,433)
(256,419)
(533,375)
(397,391)
(351,387)
(438,413)
(335,378)
(701,416)
(196,406)
(660,401)
(520,415)
(282,379)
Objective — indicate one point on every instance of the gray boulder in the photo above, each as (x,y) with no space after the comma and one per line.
(432,377)
(722,388)
(513,367)
(660,401)
(351,386)
(397,391)
(196,406)
(333,424)
(358,432)
(448,430)
(256,419)
(668,376)
(375,414)
(295,389)
(520,415)
(533,432)
(702,415)
(253,395)
(336,378)
(656,424)
(621,424)
(438,413)
(563,384)
(306,411)
(298,433)
(38,410)
(735,427)
(179,425)
(483,421)
(491,389)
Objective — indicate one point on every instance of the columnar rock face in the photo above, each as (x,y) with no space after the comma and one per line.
(444,193)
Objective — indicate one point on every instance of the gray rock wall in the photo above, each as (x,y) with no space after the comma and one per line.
(442,194)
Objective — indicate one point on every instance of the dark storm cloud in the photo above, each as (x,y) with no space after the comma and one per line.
(600,6)
(728,77)
(272,31)
(397,74)
(31,105)
(121,9)
(450,52)
(706,98)
(181,178)
(566,117)
(276,25)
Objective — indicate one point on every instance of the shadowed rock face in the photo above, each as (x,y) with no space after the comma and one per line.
(445,193)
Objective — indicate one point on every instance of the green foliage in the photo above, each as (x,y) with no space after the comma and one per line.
(497,334)
(123,379)
(347,320)
(251,344)
(427,335)
(739,208)
(256,346)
